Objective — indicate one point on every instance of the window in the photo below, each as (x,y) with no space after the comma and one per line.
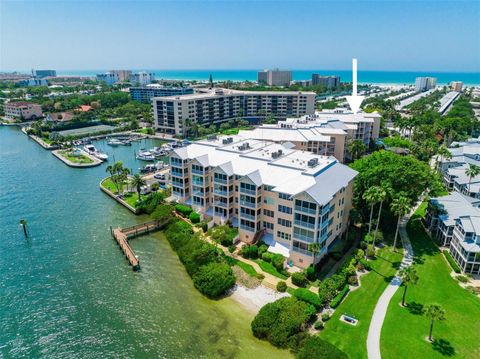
(268,213)
(284,209)
(267,225)
(284,235)
(284,222)
(268,200)
(284,196)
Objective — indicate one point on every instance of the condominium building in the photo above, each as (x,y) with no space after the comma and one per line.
(327,81)
(22,111)
(463,154)
(454,220)
(425,83)
(288,198)
(219,105)
(109,78)
(142,78)
(326,133)
(146,93)
(274,77)
(44,73)
(123,75)
(456,86)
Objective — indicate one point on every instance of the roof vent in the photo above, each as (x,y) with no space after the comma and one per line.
(227,140)
(212,137)
(313,162)
(244,146)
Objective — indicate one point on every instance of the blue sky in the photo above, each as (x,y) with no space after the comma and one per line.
(383,35)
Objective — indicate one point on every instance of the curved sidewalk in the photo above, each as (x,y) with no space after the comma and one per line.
(375,329)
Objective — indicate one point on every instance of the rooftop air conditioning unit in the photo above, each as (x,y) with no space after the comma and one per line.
(313,162)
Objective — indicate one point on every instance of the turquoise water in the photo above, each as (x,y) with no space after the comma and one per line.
(376,77)
(67,291)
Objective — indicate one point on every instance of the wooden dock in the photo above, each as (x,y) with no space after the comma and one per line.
(122,235)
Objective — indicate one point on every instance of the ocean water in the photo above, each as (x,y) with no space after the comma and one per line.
(68,292)
(374,77)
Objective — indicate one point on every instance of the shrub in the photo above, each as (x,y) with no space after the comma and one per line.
(299,279)
(232,248)
(262,249)
(150,203)
(452,262)
(163,212)
(279,322)
(282,286)
(194,217)
(339,297)
(336,255)
(318,325)
(183,210)
(316,348)
(365,264)
(462,278)
(359,254)
(267,257)
(325,317)
(253,250)
(195,254)
(310,272)
(307,296)
(371,251)
(260,276)
(214,279)
(205,227)
(278,260)
(353,280)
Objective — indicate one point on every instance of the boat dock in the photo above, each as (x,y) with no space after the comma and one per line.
(123,235)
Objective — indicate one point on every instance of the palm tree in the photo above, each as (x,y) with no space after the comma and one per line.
(434,312)
(110,169)
(381,196)
(314,248)
(372,197)
(138,182)
(444,153)
(356,148)
(409,277)
(472,171)
(400,207)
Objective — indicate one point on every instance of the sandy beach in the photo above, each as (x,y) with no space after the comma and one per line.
(254,299)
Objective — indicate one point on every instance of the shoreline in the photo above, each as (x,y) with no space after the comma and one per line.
(96,161)
(253,299)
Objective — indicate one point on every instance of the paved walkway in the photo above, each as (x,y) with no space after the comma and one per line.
(375,329)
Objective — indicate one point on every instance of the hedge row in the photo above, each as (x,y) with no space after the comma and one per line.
(452,262)
(210,274)
(339,297)
(183,210)
(307,296)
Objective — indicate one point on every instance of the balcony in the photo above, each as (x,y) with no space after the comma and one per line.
(197,172)
(248,191)
(248,204)
(247,216)
(197,182)
(221,204)
(302,237)
(302,251)
(325,210)
(220,192)
(247,228)
(304,224)
(305,210)
(198,193)
(220,180)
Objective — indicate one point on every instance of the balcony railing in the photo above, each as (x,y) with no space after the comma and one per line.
(247,228)
(220,192)
(247,216)
(198,183)
(248,191)
(197,172)
(199,193)
(325,210)
(305,210)
(302,251)
(304,224)
(248,204)
(220,180)
(303,238)
(221,204)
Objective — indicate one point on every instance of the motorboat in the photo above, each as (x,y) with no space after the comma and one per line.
(144,155)
(160,165)
(158,152)
(148,169)
(91,150)
(114,142)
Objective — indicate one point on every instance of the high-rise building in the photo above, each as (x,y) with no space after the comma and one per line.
(425,83)
(142,78)
(146,93)
(220,105)
(44,73)
(123,75)
(287,198)
(109,78)
(327,81)
(275,77)
(456,86)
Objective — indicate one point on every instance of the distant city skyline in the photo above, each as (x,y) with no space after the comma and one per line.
(222,35)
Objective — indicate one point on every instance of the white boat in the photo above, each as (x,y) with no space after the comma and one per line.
(158,152)
(114,142)
(91,150)
(145,155)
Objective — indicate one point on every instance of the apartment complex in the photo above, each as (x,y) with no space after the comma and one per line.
(219,105)
(288,198)
(44,73)
(325,133)
(22,111)
(274,77)
(113,76)
(327,81)
(146,93)
(425,83)
(463,154)
(456,86)
(142,78)
(454,220)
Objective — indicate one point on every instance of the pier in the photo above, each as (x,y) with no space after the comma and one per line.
(123,235)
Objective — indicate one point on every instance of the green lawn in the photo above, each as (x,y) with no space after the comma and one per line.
(130,198)
(247,268)
(269,268)
(361,303)
(75,159)
(404,329)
